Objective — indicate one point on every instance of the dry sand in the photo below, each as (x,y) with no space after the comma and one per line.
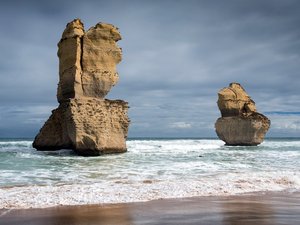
(266,209)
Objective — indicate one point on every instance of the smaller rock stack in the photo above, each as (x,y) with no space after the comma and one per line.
(240,124)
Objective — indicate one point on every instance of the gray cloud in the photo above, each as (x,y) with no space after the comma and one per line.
(177,55)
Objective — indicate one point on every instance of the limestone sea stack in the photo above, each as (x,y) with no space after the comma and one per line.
(84,121)
(240,123)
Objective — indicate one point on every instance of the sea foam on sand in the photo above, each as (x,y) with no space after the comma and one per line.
(124,191)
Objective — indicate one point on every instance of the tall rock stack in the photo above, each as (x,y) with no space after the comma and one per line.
(84,120)
(240,124)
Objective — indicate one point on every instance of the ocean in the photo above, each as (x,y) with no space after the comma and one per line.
(151,169)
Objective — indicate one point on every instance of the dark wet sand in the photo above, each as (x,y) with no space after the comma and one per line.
(255,209)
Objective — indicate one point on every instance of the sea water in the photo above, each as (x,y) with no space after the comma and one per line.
(151,169)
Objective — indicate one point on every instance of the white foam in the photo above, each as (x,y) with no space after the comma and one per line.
(278,144)
(178,146)
(16,143)
(134,191)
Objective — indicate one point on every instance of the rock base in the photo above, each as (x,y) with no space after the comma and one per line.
(242,130)
(90,126)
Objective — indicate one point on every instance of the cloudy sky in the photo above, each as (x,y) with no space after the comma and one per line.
(176,56)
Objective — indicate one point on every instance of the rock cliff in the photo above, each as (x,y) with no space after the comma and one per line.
(84,120)
(240,123)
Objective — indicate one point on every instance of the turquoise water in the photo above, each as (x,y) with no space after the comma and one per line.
(160,167)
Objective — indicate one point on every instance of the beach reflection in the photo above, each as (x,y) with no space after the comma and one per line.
(91,215)
(247,212)
(77,215)
(232,210)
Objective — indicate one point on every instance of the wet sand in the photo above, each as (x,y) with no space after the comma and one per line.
(264,209)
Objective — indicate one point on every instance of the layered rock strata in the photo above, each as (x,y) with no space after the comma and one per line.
(240,123)
(84,120)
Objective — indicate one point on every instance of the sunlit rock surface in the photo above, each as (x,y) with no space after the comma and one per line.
(84,120)
(240,123)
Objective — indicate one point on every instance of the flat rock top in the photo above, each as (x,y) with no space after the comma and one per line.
(104,30)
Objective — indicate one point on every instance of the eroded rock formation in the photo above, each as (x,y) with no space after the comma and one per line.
(84,120)
(240,123)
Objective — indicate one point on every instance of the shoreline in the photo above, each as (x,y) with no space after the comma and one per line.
(26,197)
(253,208)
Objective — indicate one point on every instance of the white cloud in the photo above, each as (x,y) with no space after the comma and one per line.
(181,125)
(285,122)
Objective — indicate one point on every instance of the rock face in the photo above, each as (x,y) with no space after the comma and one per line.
(84,120)
(240,123)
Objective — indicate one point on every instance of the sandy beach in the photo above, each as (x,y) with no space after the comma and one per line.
(266,209)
